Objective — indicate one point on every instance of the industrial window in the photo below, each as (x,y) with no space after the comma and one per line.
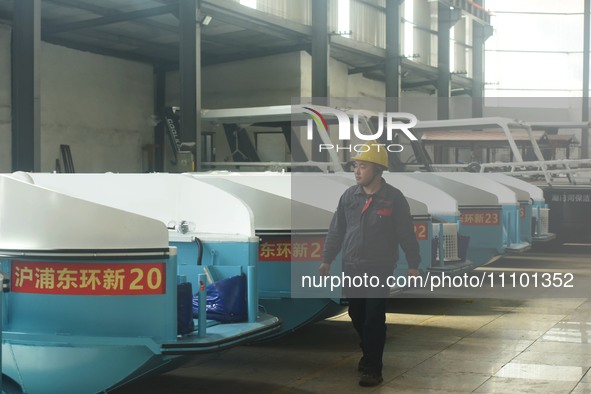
(536,49)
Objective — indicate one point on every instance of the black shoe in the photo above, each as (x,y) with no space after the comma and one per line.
(361,365)
(370,380)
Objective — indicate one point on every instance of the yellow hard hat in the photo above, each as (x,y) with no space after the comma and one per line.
(373,152)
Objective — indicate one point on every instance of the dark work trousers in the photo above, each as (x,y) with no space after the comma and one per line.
(369,319)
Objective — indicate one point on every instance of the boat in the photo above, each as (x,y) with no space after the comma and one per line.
(92,291)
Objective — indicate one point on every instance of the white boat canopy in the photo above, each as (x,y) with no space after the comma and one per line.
(36,218)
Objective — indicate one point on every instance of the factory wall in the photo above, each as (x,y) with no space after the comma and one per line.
(264,81)
(100,106)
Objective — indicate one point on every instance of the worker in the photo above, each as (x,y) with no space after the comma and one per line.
(372,219)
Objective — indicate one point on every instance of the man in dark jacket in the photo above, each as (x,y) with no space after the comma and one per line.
(372,219)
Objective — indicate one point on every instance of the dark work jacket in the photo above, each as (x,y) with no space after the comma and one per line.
(370,228)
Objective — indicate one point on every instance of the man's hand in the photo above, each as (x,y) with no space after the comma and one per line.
(413,272)
(324,267)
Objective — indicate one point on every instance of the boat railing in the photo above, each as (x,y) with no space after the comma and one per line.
(551,170)
(571,170)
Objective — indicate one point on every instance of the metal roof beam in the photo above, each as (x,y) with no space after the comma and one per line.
(162,49)
(459,92)
(104,11)
(110,19)
(95,9)
(419,68)
(471,8)
(414,85)
(368,69)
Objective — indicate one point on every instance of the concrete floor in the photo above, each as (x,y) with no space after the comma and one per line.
(479,345)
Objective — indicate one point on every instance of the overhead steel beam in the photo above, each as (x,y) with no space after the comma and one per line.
(26,139)
(99,10)
(110,19)
(419,68)
(472,7)
(414,85)
(461,80)
(167,50)
(76,4)
(190,75)
(460,92)
(375,76)
(368,69)
(162,49)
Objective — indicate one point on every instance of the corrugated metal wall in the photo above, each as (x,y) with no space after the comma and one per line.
(367,23)
(424,39)
(293,10)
